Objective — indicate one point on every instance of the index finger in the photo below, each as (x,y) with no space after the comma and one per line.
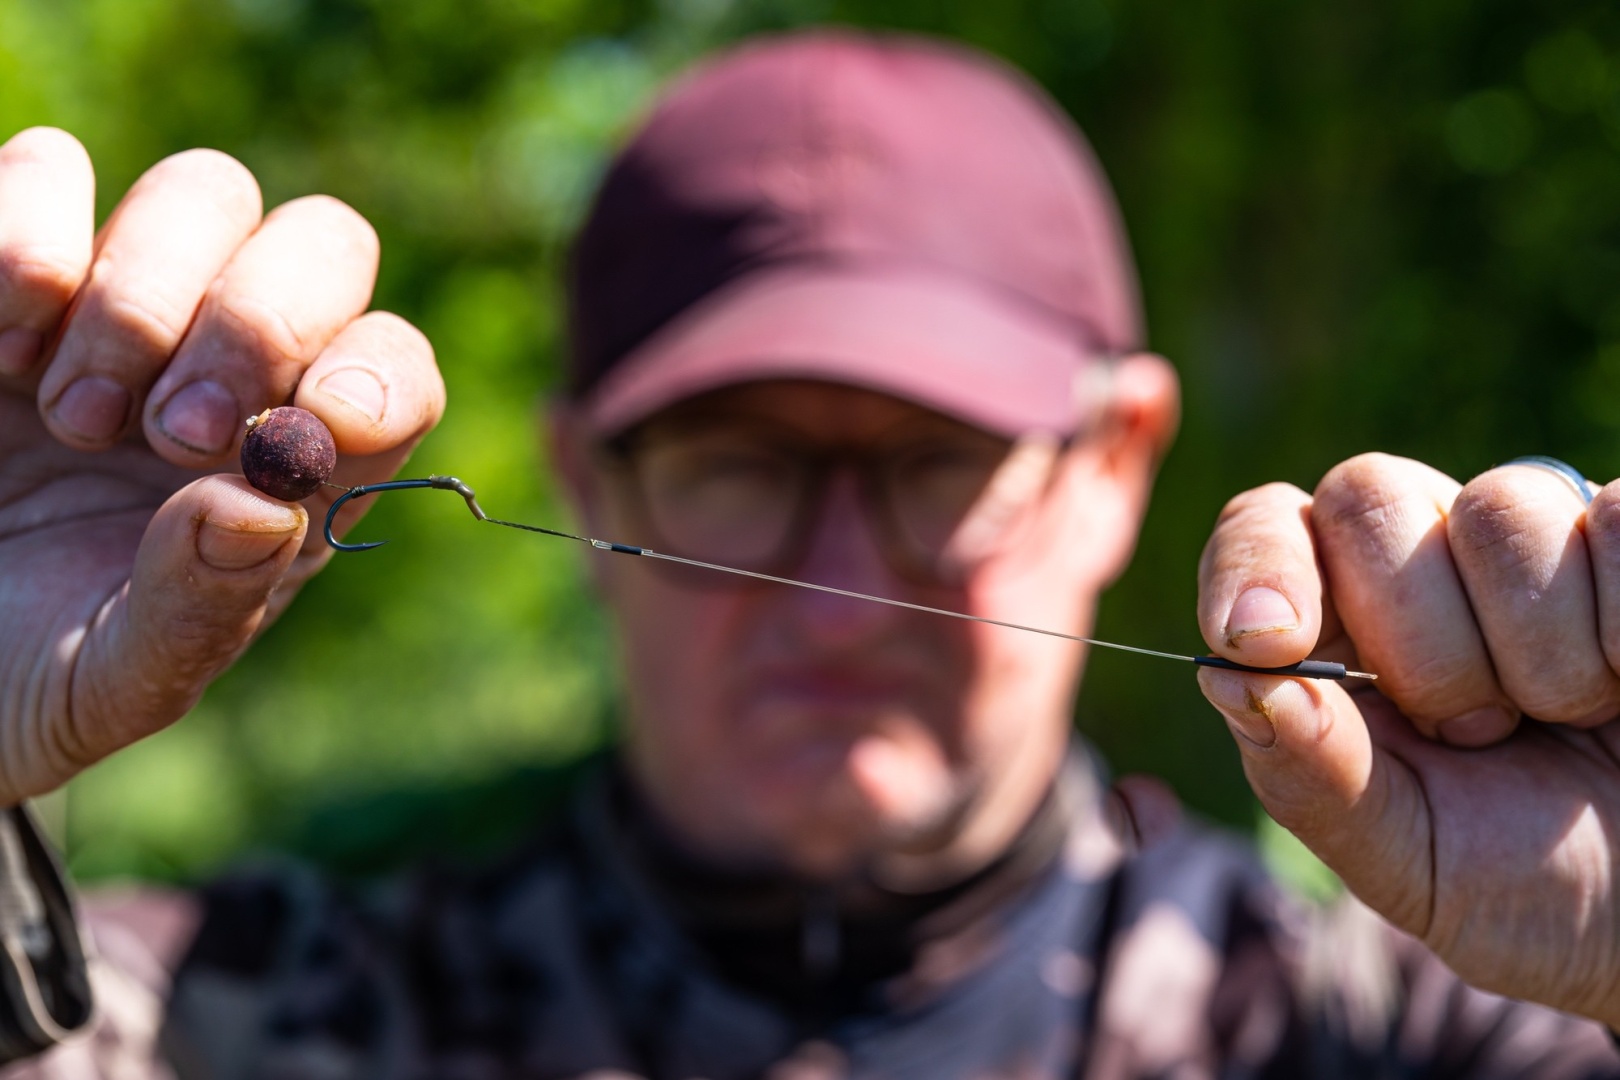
(1259,588)
(47,224)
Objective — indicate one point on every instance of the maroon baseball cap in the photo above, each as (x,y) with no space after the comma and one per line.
(885,212)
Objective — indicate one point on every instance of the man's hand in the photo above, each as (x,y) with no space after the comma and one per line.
(132,571)
(1491,836)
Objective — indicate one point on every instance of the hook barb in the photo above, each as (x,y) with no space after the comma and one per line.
(440,483)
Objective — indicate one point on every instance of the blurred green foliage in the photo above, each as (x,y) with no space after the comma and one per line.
(1373,225)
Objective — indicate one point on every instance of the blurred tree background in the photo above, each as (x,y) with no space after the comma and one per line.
(1376,225)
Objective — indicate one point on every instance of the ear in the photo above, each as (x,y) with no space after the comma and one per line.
(1112,468)
(1141,415)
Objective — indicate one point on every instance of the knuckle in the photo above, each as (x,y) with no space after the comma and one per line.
(1368,512)
(1493,516)
(36,275)
(1359,493)
(197,646)
(263,328)
(1572,702)
(87,730)
(146,319)
(64,750)
(1436,686)
(1498,486)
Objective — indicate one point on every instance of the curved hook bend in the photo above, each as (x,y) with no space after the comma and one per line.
(442,483)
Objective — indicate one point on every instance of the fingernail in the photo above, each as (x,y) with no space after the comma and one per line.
(1260,610)
(19,348)
(94,408)
(227,548)
(357,388)
(1251,718)
(1253,724)
(202,417)
(1478,728)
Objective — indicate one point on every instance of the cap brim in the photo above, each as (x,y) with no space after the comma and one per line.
(940,340)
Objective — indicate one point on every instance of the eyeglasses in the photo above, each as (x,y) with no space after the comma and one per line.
(745,494)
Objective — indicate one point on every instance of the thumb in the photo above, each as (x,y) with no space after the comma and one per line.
(206,566)
(1311,759)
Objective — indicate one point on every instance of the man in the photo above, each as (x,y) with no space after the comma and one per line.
(858,311)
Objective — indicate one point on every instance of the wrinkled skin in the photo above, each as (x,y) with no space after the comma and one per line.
(1490,836)
(133,570)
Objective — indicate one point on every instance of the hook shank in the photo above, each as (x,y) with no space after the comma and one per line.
(439,483)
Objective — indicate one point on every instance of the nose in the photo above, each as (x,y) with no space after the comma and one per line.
(843,551)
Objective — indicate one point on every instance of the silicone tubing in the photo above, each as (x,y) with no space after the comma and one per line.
(1305,669)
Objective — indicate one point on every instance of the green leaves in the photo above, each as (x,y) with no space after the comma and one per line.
(1377,226)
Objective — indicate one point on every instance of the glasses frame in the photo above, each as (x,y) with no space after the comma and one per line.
(620,454)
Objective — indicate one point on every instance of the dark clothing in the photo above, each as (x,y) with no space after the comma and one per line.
(605,951)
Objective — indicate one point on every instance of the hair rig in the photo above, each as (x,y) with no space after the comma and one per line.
(287,454)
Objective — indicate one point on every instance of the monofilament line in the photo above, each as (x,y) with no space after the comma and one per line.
(897,603)
(1307,669)
(1310,669)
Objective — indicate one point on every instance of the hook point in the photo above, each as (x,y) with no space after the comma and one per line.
(445,483)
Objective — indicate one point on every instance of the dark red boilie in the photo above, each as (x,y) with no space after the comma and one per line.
(288,453)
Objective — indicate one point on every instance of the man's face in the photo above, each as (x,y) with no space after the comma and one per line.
(782,727)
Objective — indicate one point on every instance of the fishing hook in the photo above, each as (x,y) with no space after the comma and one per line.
(441,483)
(448,483)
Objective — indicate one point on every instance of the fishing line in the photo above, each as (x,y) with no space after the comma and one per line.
(1305,669)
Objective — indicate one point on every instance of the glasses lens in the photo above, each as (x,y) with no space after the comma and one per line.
(721,496)
(932,492)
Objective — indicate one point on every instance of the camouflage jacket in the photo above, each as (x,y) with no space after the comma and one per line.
(600,952)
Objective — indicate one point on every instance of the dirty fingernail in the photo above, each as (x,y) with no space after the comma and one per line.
(357,388)
(93,408)
(1260,610)
(1252,724)
(202,417)
(1478,728)
(1251,718)
(226,548)
(19,348)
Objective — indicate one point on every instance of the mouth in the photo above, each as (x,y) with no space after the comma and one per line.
(803,724)
(829,693)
